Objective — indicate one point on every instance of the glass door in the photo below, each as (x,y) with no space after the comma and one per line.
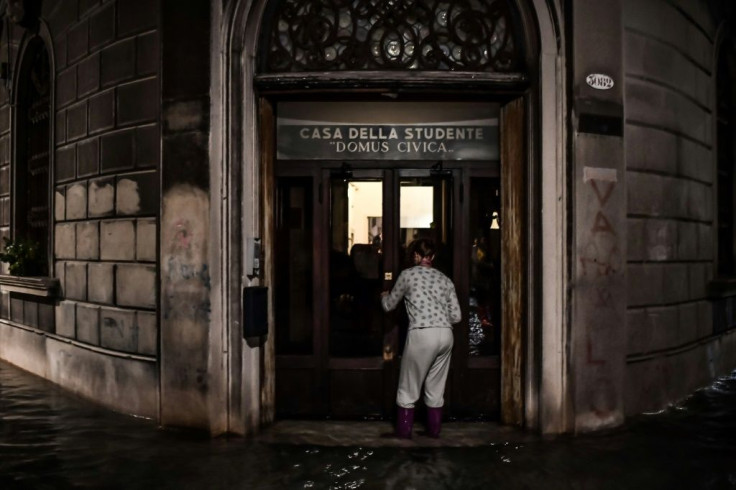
(425,211)
(300,388)
(341,239)
(360,342)
(373,217)
(356,267)
(476,375)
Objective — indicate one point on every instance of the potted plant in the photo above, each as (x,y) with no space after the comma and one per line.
(23,256)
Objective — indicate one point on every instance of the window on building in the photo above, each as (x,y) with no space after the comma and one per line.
(31,172)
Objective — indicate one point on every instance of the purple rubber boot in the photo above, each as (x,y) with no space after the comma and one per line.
(434,421)
(404,422)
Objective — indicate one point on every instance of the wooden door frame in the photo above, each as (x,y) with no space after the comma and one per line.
(513,259)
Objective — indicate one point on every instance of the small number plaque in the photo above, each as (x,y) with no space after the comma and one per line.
(599,81)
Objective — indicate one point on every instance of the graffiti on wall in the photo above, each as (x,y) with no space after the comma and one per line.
(601,265)
(185,270)
(185,287)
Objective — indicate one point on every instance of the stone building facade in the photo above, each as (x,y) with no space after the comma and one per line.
(166,163)
(104,176)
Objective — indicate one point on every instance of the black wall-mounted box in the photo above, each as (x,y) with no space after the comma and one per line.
(255,311)
(599,117)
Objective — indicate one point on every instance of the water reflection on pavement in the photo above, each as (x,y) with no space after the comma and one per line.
(50,439)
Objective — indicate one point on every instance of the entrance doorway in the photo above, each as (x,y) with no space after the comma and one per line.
(342,228)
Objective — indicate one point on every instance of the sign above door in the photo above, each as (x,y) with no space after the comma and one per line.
(387,131)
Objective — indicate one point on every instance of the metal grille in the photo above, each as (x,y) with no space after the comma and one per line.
(334,35)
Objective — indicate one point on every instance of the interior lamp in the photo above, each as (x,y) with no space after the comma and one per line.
(494,221)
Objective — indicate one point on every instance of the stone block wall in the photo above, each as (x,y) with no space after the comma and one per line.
(107,155)
(106,171)
(670,175)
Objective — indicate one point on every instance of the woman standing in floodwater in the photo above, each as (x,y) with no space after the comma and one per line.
(432,307)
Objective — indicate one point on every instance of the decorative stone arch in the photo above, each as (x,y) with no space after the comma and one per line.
(237,199)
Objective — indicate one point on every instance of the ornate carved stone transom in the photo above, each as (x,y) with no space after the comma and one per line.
(416,35)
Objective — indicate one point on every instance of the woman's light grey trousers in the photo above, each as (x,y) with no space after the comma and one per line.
(426,362)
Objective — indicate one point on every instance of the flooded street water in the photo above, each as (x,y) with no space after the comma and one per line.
(50,439)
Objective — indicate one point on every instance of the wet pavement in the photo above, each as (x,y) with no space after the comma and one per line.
(51,439)
(378,434)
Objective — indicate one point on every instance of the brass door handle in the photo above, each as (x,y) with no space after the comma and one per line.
(388,352)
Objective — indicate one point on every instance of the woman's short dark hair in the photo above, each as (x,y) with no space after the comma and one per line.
(423,246)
